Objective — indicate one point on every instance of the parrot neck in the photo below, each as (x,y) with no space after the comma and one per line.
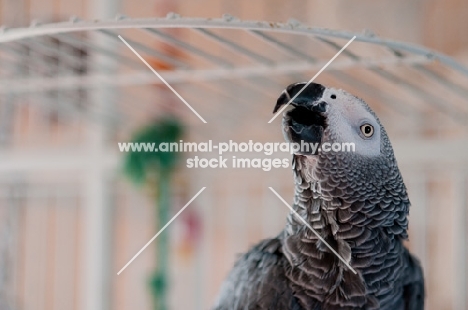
(367,234)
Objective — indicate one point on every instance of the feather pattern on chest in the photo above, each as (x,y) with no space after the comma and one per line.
(366,231)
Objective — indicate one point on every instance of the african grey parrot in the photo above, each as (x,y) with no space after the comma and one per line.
(356,201)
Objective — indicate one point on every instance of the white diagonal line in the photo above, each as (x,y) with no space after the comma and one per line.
(313,230)
(160,231)
(312,79)
(163,80)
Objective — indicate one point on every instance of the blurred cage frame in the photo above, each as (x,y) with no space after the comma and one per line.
(75,74)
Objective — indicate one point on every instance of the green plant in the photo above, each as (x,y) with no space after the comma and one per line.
(153,170)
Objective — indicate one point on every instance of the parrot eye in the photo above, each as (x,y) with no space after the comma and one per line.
(367,130)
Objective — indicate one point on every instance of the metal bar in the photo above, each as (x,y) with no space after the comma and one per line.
(403,109)
(50,103)
(69,109)
(385,96)
(173,21)
(260,86)
(148,50)
(437,104)
(21,66)
(96,280)
(7,58)
(269,83)
(237,91)
(232,45)
(76,43)
(94,115)
(459,230)
(37,64)
(7,109)
(17,190)
(281,45)
(192,49)
(456,88)
(39,46)
(143,77)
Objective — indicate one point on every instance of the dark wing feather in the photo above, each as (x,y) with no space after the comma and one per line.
(258,281)
(413,291)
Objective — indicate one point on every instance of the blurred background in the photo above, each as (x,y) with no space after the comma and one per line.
(74,210)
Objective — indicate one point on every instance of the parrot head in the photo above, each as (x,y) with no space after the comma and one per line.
(357,145)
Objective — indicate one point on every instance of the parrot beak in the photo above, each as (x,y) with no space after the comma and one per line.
(306,122)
